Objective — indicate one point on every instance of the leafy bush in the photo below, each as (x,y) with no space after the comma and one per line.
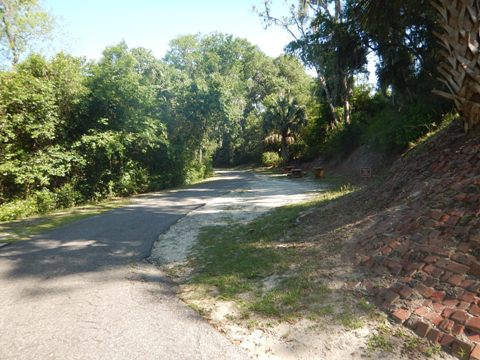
(41,202)
(44,201)
(17,209)
(67,196)
(134,179)
(343,139)
(271,158)
(391,130)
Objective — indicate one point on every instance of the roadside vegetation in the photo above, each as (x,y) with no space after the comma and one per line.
(11,231)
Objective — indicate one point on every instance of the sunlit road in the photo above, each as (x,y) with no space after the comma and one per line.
(84,291)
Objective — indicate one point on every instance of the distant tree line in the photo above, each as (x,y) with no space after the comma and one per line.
(73,130)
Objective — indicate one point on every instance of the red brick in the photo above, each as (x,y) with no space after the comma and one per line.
(474,323)
(400,315)
(468,297)
(446,276)
(467,283)
(474,338)
(453,220)
(463,247)
(437,296)
(475,355)
(455,267)
(430,259)
(446,325)
(434,317)
(463,305)
(474,269)
(434,336)
(424,291)
(427,302)
(390,298)
(394,266)
(448,312)
(405,292)
(455,280)
(458,329)
(406,279)
(429,269)
(436,250)
(462,258)
(422,310)
(422,328)
(460,316)
(447,340)
(474,310)
(412,266)
(450,303)
(394,244)
(386,250)
(438,307)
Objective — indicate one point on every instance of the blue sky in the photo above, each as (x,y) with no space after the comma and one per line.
(88,26)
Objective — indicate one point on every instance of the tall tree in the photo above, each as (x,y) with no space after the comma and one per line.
(284,118)
(22,23)
(401,35)
(323,38)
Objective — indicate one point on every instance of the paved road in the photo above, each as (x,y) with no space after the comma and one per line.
(84,291)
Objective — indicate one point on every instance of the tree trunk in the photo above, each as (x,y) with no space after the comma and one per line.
(284,149)
(460,68)
(328,95)
(348,93)
(10,37)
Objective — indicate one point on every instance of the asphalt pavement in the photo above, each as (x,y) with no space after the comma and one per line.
(85,291)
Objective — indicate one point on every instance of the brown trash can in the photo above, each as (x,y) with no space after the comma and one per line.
(319,172)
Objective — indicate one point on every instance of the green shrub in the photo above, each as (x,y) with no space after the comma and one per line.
(391,130)
(271,158)
(17,209)
(67,196)
(44,201)
(134,179)
(343,139)
(40,202)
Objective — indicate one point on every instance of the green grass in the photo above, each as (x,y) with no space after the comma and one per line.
(349,319)
(381,340)
(366,306)
(239,258)
(24,229)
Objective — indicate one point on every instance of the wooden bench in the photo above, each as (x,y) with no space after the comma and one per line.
(287,169)
(296,173)
(318,172)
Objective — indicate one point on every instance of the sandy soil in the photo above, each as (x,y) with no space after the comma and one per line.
(263,194)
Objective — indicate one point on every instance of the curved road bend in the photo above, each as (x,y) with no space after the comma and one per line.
(84,291)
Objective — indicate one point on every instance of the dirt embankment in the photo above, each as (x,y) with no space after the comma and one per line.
(422,251)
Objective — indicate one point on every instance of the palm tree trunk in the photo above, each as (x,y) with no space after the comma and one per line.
(460,68)
(284,149)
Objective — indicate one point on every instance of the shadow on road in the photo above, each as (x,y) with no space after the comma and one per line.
(117,238)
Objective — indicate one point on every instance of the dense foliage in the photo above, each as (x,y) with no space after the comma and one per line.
(73,130)
(338,38)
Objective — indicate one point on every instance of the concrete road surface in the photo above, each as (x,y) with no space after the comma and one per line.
(84,291)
